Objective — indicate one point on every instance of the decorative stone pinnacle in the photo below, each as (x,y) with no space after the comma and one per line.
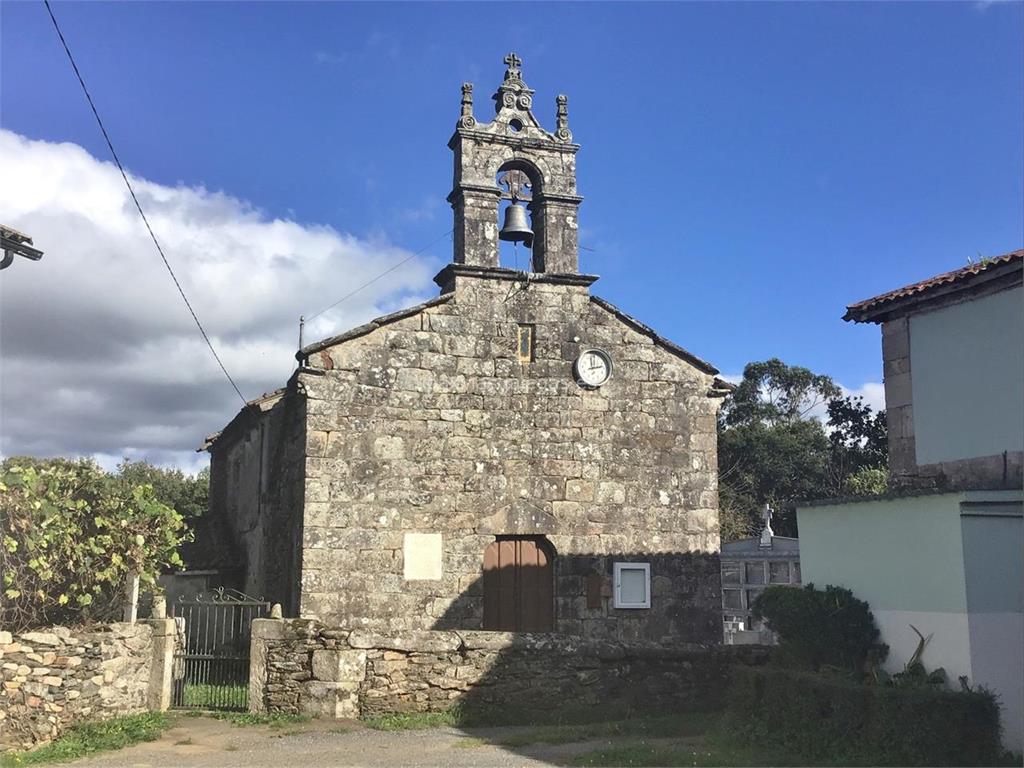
(513,92)
(562,118)
(467,120)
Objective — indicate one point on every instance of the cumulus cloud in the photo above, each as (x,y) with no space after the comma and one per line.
(98,354)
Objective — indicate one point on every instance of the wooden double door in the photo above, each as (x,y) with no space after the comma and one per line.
(519,584)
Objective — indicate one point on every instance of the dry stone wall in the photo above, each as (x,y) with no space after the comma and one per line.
(58,676)
(428,423)
(303,666)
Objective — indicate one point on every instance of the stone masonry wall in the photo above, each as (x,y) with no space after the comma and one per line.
(303,666)
(56,677)
(256,485)
(428,423)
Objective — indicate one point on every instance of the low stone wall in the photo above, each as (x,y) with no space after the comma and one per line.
(302,666)
(58,676)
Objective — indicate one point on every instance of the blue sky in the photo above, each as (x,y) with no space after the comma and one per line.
(748,168)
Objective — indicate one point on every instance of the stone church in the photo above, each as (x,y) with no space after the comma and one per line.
(516,454)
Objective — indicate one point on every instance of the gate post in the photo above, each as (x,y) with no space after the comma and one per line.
(162,665)
(262,631)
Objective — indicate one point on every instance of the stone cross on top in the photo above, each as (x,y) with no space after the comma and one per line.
(513,62)
(767,533)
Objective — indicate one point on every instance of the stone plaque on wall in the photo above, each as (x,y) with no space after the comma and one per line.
(422,556)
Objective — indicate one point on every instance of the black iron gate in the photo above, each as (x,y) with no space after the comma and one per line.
(211,659)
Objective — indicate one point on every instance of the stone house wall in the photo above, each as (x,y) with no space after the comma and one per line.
(304,666)
(256,486)
(56,677)
(426,422)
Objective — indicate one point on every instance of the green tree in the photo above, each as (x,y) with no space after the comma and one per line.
(70,534)
(772,448)
(187,494)
(858,447)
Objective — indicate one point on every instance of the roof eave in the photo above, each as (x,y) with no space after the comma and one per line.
(1005,272)
(654,336)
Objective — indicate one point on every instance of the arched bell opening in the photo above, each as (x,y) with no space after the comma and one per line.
(518,182)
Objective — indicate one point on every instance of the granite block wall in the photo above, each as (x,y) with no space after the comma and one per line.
(304,666)
(58,676)
(428,423)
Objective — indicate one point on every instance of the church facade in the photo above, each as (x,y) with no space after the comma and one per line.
(516,454)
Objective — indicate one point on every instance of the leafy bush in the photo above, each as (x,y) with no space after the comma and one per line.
(188,495)
(833,720)
(71,535)
(818,628)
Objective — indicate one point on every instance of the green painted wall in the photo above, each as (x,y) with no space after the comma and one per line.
(967,374)
(899,554)
(993,541)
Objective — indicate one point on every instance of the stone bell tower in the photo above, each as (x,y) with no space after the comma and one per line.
(513,158)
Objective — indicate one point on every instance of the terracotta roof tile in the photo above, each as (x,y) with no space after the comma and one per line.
(871,310)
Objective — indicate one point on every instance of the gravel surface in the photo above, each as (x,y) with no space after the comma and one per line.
(200,742)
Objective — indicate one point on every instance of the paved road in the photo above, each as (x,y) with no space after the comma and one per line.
(199,742)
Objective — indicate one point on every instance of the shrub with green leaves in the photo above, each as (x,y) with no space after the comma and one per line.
(823,719)
(70,535)
(818,628)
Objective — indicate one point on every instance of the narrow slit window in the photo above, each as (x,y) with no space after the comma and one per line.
(524,350)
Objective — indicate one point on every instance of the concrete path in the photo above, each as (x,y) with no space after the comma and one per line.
(200,742)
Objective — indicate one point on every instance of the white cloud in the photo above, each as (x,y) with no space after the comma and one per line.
(100,356)
(873,393)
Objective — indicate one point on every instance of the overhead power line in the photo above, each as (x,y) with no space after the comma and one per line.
(131,191)
(386,272)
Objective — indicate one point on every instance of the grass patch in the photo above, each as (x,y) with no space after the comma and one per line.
(469,742)
(89,738)
(208,695)
(676,754)
(246,719)
(682,725)
(412,721)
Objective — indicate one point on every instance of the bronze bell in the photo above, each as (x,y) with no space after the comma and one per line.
(516,228)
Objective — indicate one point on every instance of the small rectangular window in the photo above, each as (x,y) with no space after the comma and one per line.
(632,585)
(524,350)
(754,572)
(730,573)
(778,573)
(732,598)
(752,595)
(796,572)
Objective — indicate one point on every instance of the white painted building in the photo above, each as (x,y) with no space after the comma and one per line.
(944,551)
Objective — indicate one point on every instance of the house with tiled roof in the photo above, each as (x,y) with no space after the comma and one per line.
(943,551)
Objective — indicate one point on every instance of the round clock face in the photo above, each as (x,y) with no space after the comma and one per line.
(593,367)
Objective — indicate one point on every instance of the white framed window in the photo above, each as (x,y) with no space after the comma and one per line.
(632,585)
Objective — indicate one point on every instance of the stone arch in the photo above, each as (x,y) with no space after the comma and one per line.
(521,517)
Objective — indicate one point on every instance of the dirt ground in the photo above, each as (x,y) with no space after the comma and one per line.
(201,742)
